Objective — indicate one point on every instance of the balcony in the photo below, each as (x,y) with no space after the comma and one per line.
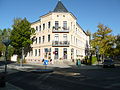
(60,43)
(60,29)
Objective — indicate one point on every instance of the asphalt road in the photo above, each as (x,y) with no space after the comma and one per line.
(67,79)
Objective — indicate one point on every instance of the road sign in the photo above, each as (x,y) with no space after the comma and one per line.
(45,62)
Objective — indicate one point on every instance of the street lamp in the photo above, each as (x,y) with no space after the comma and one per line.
(6,41)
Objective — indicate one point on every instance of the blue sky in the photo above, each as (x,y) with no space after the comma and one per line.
(89,13)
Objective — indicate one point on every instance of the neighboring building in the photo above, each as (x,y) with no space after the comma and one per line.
(58,37)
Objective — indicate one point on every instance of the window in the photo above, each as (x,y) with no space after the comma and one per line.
(39,39)
(36,28)
(72,53)
(31,52)
(56,24)
(39,52)
(76,53)
(56,53)
(76,30)
(36,40)
(76,40)
(71,38)
(65,37)
(43,26)
(39,27)
(35,52)
(48,38)
(43,39)
(74,26)
(48,24)
(71,25)
(56,37)
(65,53)
(64,25)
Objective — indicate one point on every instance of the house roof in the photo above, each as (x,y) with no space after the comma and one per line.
(60,7)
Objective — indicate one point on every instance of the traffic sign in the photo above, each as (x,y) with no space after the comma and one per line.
(45,62)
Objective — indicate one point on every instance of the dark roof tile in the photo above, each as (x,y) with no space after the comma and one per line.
(60,7)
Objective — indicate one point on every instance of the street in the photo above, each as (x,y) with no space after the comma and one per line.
(67,79)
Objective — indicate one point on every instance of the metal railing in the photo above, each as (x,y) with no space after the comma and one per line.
(60,29)
(60,43)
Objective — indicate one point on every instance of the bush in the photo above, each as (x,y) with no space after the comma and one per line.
(19,60)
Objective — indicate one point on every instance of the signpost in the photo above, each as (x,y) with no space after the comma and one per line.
(6,42)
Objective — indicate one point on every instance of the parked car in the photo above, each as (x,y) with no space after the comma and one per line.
(108,63)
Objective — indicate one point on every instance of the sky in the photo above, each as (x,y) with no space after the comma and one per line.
(89,13)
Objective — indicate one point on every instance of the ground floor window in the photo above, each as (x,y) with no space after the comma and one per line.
(35,52)
(56,53)
(31,52)
(72,53)
(39,52)
(47,53)
(65,53)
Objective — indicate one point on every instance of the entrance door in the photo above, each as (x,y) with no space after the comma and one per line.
(56,53)
(65,53)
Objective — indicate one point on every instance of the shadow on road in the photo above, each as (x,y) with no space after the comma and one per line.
(3,62)
(66,79)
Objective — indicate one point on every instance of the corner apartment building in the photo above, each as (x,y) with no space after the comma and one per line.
(58,37)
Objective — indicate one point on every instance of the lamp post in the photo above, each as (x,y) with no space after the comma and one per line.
(6,41)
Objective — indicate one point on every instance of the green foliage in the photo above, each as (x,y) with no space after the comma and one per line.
(21,34)
(10,52)
(3,34)
(103,39)
(94,59)
(116,48)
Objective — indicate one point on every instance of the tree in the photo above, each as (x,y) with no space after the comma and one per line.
(5,33)
(90,49)
(1,45)
(117,46)
(87,48)
(103,40)
(20,35)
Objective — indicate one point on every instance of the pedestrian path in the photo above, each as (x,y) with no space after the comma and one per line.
(51,66)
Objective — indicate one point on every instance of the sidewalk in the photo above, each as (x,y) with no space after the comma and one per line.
(10,87)
(52,66)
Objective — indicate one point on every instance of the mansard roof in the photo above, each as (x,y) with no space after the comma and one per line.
(60,7)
